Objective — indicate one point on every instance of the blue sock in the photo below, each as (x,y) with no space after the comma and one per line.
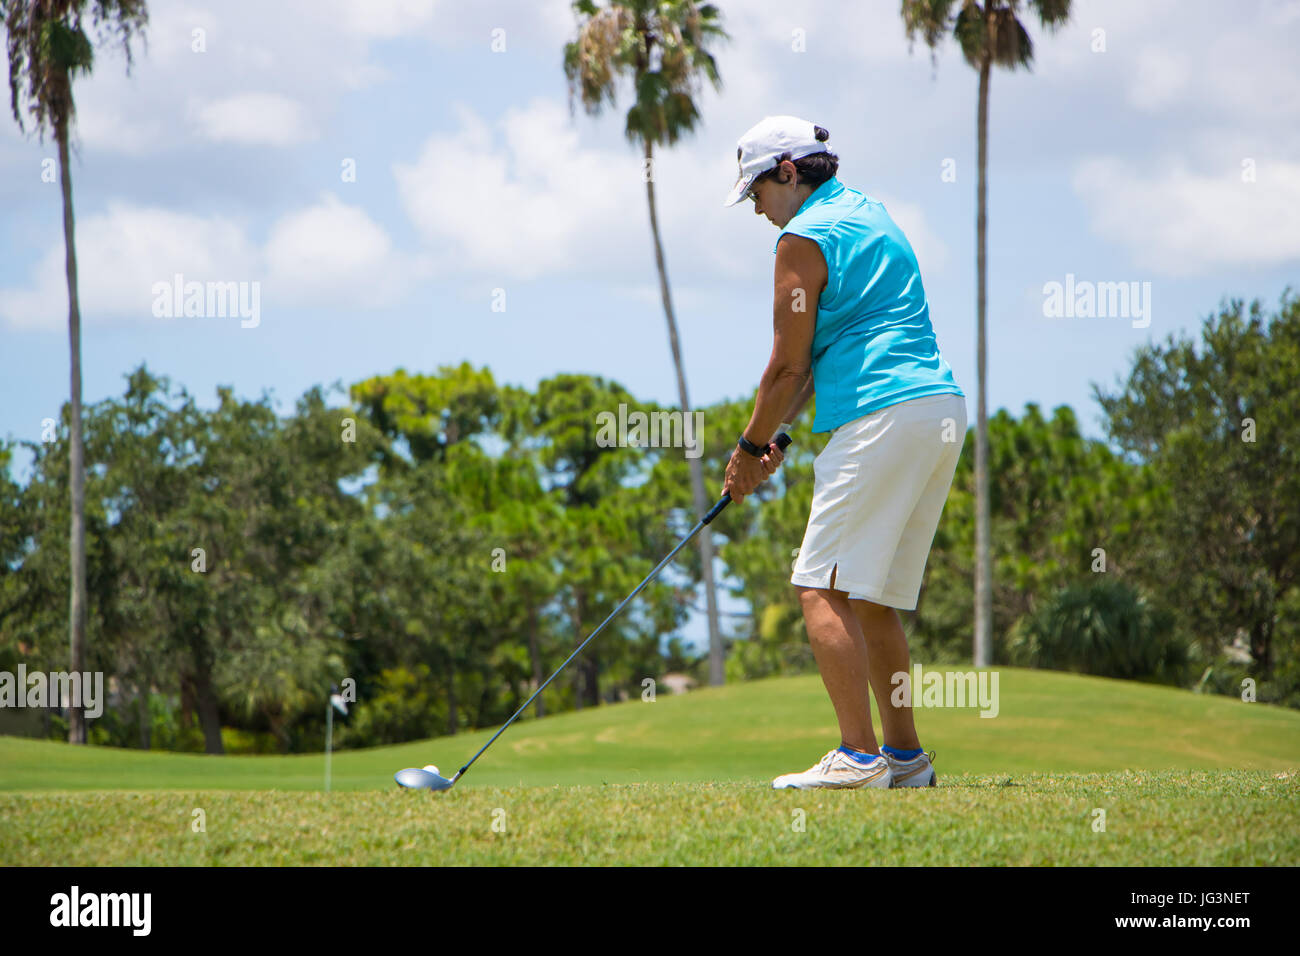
(902,754)
(858,755)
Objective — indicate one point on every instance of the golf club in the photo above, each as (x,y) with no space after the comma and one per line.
(414,778)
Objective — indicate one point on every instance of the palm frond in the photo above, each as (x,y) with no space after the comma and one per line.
(661,46)
(1051,13)
(592,60)
(1009,42)
(970,31)
(49,46)
(927,19)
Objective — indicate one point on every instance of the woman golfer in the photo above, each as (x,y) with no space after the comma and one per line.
(852,323)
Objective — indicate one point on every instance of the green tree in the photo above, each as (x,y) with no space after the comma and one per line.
(608,535)
(48,47)
(430,413)
(288,648)
(431,504)
(516,520)
(662,46)
(1065,510)
(989,34)
(1218,425)
(135,481)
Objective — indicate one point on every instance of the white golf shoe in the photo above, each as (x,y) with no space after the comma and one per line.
(838,771)
(917,772)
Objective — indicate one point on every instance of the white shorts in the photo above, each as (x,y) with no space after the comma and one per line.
(879,487)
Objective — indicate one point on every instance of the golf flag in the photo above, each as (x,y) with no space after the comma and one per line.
(339,703)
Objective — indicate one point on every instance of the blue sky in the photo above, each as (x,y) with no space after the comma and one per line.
(1115,164)
(1118,159)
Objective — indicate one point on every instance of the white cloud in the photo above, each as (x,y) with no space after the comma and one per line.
(302,54)
(521,201)
(1162,78)
(1229,63)
(535,24)
(121,253)
(335,253)
(374,18)
(823,31)
(253,119)
(171,33)
(1183,221)
(101,120)
(329,253)
(524,198)
(1285,12)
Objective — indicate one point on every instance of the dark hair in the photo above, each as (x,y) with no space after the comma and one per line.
(812,170)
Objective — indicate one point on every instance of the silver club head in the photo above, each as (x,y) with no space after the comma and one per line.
(412,778)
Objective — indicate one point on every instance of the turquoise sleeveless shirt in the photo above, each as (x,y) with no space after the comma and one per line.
(873,345)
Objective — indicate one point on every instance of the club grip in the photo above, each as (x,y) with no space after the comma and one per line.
(782,441)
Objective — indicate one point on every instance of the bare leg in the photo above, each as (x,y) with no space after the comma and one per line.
(886,646)
(841,653)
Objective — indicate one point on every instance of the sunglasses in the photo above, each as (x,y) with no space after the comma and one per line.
(761,177)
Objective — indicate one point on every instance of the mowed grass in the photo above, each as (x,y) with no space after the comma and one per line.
(1187,818)
(1183,779)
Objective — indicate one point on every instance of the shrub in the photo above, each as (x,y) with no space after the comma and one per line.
(1104,628)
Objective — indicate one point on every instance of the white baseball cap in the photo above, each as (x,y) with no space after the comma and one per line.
(767,140)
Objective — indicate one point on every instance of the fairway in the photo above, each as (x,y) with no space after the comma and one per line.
(1184,779)
(1197,818)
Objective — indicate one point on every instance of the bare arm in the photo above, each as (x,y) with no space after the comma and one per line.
(787,382)
(800,400)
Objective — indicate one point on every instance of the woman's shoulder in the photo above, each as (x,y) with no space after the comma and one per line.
(850,209)
(852,195)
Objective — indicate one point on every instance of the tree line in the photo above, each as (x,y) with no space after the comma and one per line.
(661,49)
(443,541)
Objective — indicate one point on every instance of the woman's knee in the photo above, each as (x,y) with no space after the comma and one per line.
(876,619)
(815,600)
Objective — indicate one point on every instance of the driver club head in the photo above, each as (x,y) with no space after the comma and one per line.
(412,778)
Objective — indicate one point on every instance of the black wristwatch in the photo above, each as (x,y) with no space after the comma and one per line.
(758,451)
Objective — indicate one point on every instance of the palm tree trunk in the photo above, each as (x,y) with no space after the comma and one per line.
(704,540)
(76,454)
(983,563)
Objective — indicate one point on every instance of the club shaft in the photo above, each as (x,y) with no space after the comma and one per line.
(722,503)
(782,441)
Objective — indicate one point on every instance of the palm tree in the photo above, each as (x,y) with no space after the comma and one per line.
(48,48)
(989,34)
(661,46)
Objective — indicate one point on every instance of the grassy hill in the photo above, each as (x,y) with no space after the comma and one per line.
(1176,778)
(1046,722)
